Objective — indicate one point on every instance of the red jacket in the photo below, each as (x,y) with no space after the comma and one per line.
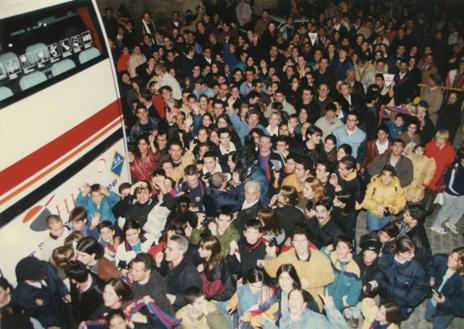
(443,158)
(142,168)
(372,152)
(160,105)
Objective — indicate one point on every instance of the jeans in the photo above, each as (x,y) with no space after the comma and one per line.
(375,223)
(439,321)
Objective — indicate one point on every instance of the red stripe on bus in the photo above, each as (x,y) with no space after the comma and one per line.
(42,157)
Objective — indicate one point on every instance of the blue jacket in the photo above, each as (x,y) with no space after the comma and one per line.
(355,141)
(44,304)
(347,281)
(453,290)
(454,179)
(105,209)
(404,284)
(242,128)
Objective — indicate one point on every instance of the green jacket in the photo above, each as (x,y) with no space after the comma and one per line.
(229,235)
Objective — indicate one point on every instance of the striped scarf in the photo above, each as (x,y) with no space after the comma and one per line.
(134,306)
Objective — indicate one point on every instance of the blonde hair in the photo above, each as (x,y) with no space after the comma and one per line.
(442,133)
(320,193)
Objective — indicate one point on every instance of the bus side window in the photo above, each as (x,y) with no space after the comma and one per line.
(62,66)
(88,55)
(32,79)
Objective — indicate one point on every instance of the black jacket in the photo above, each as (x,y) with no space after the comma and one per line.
(179,279)
(89,304)
(156,288)
(220,278)
(367,275)
(423,251)
(322,236)
(250,256)
(403,284)
(289,217)
(247,214)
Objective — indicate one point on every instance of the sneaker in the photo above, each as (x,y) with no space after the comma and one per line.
(438,229)
(452,228)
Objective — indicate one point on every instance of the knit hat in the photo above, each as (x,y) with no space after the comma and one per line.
(372,245)
(31,268)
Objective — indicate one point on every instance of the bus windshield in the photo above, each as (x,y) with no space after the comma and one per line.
(43,47)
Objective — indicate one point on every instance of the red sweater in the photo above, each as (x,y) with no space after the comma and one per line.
(443,159)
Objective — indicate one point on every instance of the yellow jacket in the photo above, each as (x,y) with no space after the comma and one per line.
(317,272)
(424,169)
(214,320)
(369,311)
(390,196)
(186,160)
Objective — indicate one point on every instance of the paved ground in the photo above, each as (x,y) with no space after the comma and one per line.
(440,244)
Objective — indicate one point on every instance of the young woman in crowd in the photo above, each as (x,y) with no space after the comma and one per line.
(446,274)
(253,301)
(218,283)
(134,243)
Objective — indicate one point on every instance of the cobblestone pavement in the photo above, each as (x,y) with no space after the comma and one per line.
(440,244)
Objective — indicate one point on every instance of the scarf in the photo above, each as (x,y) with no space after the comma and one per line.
(134,306)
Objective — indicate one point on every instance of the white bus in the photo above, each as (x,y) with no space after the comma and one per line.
(60,117)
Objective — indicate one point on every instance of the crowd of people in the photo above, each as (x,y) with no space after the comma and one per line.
(253,147)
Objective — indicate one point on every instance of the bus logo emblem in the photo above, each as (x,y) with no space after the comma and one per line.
(116,165)
(54,51)
(86,39)
(65,46)
(76,43)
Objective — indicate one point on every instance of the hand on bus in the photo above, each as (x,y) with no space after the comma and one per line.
(85,189)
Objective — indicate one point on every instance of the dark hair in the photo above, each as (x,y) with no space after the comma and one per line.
(254,274)
(404,244)
(105,224)
(305,161)
(130,225)
(417,211)
(192,293)
(78,214)
(123,186)
(191,170)
(390,169)
(392,314)
(122,289)
(399,141)
(290,269)
(143,258)
(4,284)
(269,220)
(346,148)
(77,271)
(349,162)
(391,229)
(345,240)
(334,140)
(90,246)
(313,130)
(211,243)
(299,229)
(253,223)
